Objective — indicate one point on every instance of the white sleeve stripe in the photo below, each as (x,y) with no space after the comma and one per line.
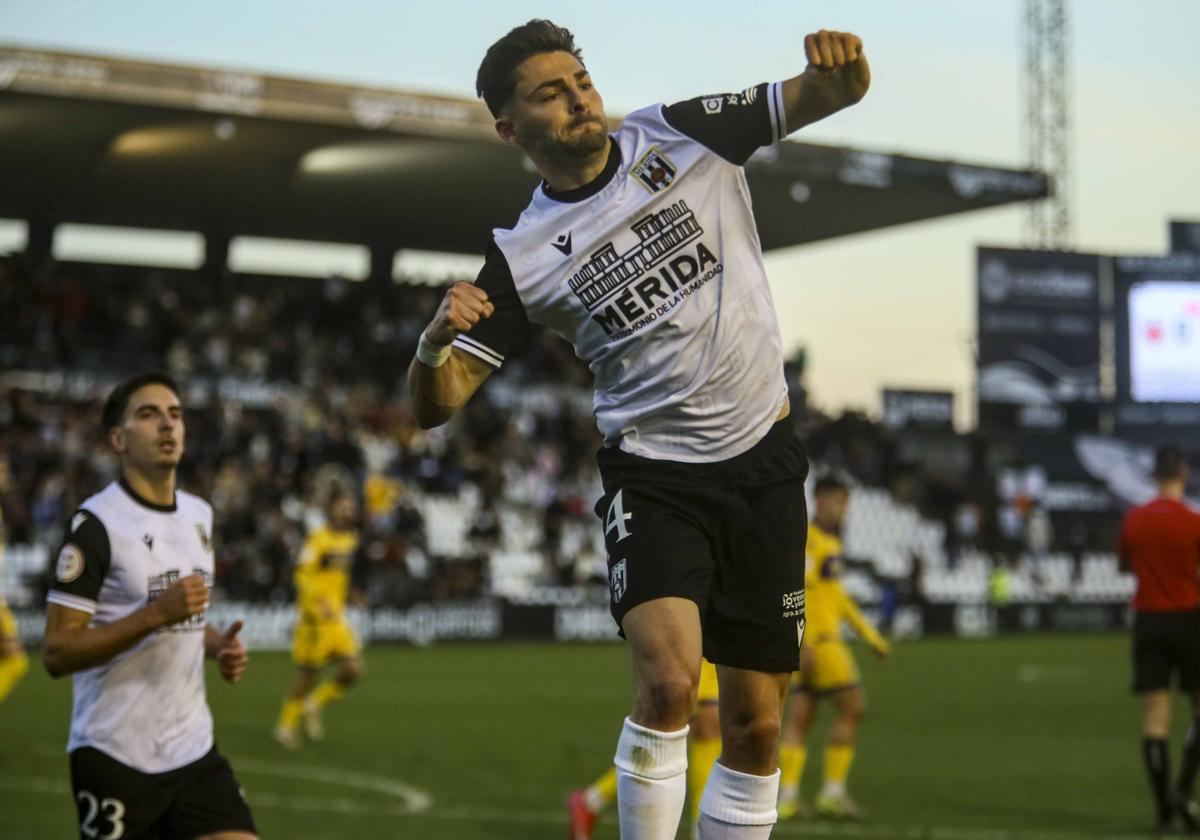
(778,115)
(74,602)
(476,349)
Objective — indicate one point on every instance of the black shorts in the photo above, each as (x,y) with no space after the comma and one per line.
(1166,643)
(114,800)
(728,535)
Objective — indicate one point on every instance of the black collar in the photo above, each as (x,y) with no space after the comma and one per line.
(596,184)
(146,503)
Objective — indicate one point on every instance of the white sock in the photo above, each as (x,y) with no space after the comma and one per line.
(594,800)
(738,806)
(651,781)
(833,789)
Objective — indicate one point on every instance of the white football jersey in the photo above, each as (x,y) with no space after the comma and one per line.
(654,272)
(146,707)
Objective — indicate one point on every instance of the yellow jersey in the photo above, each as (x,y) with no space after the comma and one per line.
(827,604)
(323,574)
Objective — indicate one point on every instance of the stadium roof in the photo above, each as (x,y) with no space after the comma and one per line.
(109,141)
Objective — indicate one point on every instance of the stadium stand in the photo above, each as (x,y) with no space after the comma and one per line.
(296,383)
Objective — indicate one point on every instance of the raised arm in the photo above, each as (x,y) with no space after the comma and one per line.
(483,320)
(837,76)
(441,379)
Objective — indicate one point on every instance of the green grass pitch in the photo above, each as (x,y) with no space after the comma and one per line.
(1032,738)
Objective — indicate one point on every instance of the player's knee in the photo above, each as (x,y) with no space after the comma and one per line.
(351,672)
(666,701)
(752,734)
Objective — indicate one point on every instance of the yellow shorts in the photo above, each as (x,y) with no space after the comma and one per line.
(315,644)
(708,683)
(833,669)
(8,624)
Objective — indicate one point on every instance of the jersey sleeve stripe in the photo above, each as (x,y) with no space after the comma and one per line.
(74,602)
(473,347)
(778,116)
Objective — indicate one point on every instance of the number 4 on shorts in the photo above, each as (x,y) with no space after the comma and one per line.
(616,517)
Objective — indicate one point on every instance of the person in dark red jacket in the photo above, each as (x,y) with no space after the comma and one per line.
(1160,544)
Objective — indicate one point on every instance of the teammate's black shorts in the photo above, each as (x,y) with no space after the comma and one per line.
(1166,643)
(114,800)
(728,535)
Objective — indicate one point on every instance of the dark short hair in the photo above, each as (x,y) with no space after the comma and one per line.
(118,400)
(1170,463)
(494,83)
(828,484)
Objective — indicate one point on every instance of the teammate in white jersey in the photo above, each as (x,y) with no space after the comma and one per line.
(640,249)
(126,617)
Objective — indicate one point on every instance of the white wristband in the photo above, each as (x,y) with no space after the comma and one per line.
(433,355)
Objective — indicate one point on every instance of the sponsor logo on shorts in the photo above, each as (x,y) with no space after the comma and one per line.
(70,564)
(793,604)
(616,579)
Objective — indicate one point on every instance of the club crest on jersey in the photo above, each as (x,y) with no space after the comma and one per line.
(70,564)
(616,579)
(654,171)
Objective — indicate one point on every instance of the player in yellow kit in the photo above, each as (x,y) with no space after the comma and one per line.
(322,634)
(704,746)
(827,667)
(13,661)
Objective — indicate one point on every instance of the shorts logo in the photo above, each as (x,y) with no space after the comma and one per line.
(654,171)
(70,564)
(712,104)
(616,517)
(793,605)
(616,579)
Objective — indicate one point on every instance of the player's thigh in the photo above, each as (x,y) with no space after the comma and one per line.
(664,642)
(851,703)
(801,712)
(755,617)
(209,801)
(112,800)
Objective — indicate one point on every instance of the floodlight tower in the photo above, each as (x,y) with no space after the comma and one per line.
(1047,96)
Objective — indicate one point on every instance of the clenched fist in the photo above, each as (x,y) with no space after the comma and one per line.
(183,599)
(461,309)
(837,59)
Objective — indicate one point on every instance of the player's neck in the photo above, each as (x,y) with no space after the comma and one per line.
(1172,490)
(564,175)
(157,488)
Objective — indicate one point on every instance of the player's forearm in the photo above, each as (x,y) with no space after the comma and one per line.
(436,393)
(66,650)
(807,99)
